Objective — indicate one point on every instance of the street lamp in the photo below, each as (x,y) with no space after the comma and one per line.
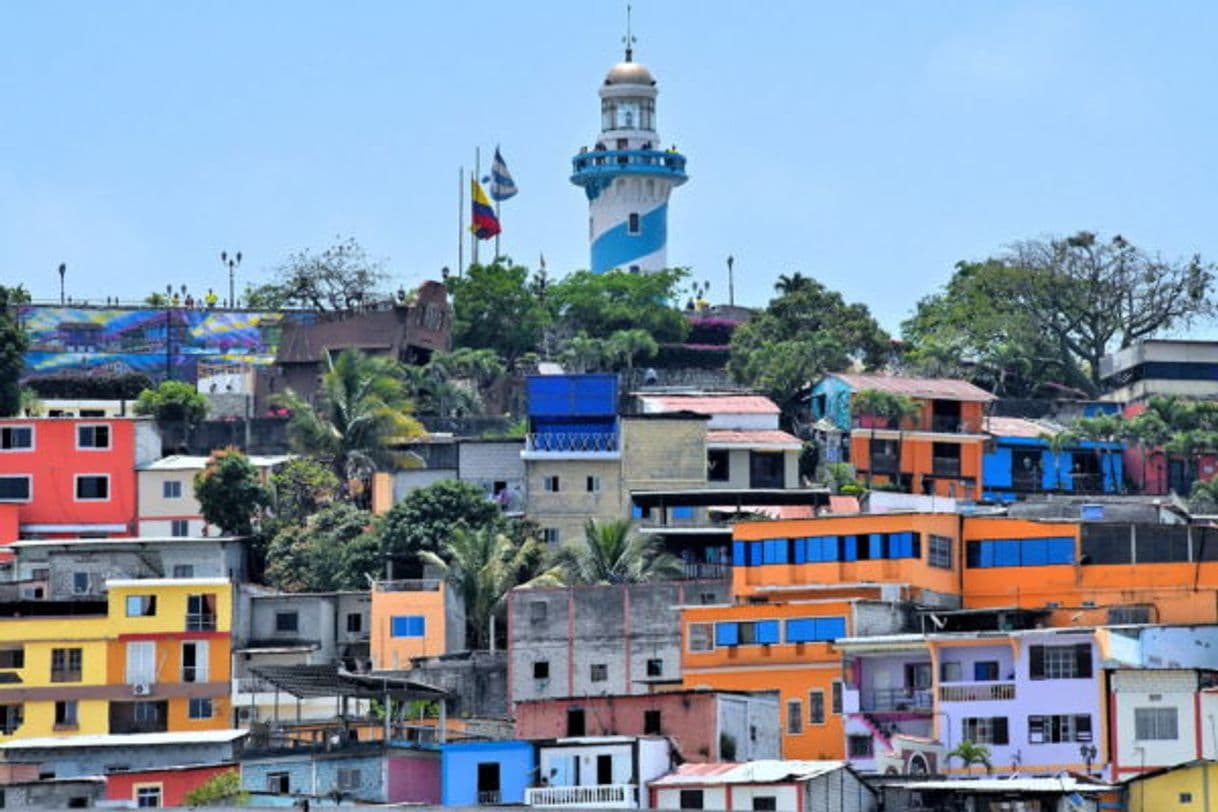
(1088,752)
(232,262)
(63,269)
(731,285)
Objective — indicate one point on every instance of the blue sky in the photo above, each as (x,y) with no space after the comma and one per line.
(871,146)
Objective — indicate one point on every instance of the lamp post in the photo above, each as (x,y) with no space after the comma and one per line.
(1088,752)
(63,269)
(232,263)
(731,284)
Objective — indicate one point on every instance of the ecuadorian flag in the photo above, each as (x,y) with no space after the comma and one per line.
(483,221)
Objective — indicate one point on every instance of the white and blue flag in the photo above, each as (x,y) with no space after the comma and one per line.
(502,185)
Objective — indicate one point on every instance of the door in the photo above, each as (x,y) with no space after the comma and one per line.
(604,770)
(141,662)
(488,782)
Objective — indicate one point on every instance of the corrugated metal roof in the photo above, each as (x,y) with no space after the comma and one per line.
(1021,427)
(940,388)
(127,739)
(182,462)
(712,404)
(753,437)
(765,771)
(1064,784)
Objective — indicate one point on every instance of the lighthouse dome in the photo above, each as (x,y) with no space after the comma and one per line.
(629,73)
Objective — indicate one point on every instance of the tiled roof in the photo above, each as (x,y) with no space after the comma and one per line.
(712,404)
(753,437)
(940,388)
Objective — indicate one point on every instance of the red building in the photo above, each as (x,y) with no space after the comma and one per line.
(167,786)
(71,477)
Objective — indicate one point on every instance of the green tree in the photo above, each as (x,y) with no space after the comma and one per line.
(483,566)
(333,550)
(602,304)
(891,409)
(801,335)
(425,520)
(222,789)
(612,553)
(1058,442)
(230,492)
(624,347)
(1150,432)
(301,487)
(342,277)
(13,344)
(450,384)
(970,754)
(495,308)
(582,353)
(173,401)
(363,410)
(1104,428)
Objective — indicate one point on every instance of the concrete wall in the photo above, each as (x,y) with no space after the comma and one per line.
(73,762)
(490,460)
(621,627)
(477,678)
(153,502)
(572,505)
(662,454)
(315,620)
(209,559)
(752,721)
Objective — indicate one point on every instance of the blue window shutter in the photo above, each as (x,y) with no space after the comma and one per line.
(739,551)
(417,626)
(755,553)
(852,548)
(767,631)
(830,628)
(636,512)
(876,546)
(1034,552)
(397,627)
(727,634)
(682,513)
(1006,553)
(801,551)
(801,630)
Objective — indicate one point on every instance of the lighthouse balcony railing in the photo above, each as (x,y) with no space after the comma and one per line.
(643,161)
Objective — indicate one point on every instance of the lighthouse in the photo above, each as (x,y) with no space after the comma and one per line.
(628,174)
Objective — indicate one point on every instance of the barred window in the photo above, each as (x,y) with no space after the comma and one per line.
(1155,724)
(940,552)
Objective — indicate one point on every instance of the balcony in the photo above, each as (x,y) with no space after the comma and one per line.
(977,692)
(884,464)
(603,165)
(200,622)
(945,467)
(576,444)
(939,424)
(897,699)
(604,796)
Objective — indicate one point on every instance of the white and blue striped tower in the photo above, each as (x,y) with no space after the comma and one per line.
(627,175)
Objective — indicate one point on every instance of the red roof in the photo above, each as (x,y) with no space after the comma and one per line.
(713,404)
(751,437)
(937,388)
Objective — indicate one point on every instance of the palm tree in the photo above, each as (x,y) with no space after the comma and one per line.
(626,345)
(483,566)
(612,553)
(362,409)
(890,408)
(970,754)
(1058,442)
(1103,428)
(583,353)
(792,283)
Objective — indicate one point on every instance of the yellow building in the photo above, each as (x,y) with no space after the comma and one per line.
(1192,785)
(153,656)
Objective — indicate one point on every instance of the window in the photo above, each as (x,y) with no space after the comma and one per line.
(201,613)
(986,730)
(859,746)
(837,696)
(15,488)
(655,667)
(765,802)
(12,658)
(576,723)
(183,570)
(141,662)
(65,713)
(795,716)
(171,489)
(940,552)
(11,717)
(80,583)
(408,626)
(701,637)
(538,611)
(93,437)
(148,797)
(550,484)
(718,465)
(286,621)
(65,664)
(141,605)
(1056,729)
(550,536)
(1060,662)
(278,783)
(200,708)
(179,528)
(1157,724)
(815,629)
(16,438)
(816,707)
(766,469)
(92,487)
(633,226)
(348,778)
(1186,797)
(194,661)
(594,484)
(949,672)
(985,671)
(355,623)
(600,672)
(541,669)
(1020,552)
(652,723)
(691,799)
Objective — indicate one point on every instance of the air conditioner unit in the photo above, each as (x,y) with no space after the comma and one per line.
(141,689)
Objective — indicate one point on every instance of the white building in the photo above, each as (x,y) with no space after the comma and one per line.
(601,772)
(167,505)
(786,786)
(1161,717)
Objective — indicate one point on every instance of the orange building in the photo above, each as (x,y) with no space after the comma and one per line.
(69,477)
(413,618)
(938,450)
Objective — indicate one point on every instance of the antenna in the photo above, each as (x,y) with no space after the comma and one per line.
(629,39)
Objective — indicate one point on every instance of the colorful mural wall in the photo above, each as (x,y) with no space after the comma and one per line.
(158,342)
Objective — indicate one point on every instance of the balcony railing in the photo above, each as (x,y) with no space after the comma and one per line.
(572,442)
(939,424)
(489,797)
(200,622)
(703,571)
(977,692)
(945,466)
(616,161)
(897,699)
(883,463)
(603,796)
(408,585)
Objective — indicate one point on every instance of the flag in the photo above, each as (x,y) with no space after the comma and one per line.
(483,221)
(502,185)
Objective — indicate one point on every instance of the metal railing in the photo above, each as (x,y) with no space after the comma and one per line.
(646,161)
(409,585)
(883,463)
(896,699)
(977,692)
(489,797)
(578,442)
(939,424)
(601,796)
(945,466)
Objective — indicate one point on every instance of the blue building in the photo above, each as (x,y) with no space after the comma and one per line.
(627,176)
(476,773)
(572,414)
(1019,460)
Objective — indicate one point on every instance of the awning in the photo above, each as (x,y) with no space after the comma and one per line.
(312,681)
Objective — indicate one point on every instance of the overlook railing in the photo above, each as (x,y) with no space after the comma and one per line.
(572,442)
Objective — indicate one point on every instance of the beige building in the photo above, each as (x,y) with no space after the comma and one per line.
(166,490)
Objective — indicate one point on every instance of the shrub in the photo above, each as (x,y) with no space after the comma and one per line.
(92,386)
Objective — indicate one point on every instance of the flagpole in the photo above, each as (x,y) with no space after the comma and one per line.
(497,217)
(460,221)
(473,237)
